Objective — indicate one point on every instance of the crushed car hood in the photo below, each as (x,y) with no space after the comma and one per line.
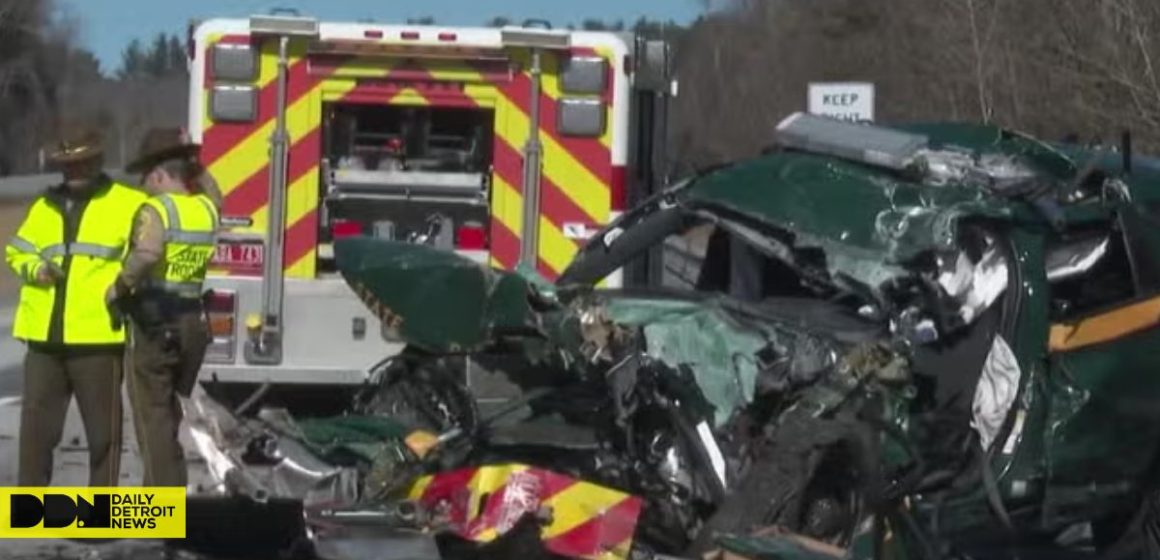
(441,302)
(717,340)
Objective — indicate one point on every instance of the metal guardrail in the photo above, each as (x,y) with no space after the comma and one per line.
(23,187)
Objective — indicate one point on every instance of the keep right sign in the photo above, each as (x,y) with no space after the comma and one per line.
(842,100)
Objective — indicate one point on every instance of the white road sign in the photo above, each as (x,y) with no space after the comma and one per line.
(843,100)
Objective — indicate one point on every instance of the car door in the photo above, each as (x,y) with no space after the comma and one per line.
(1103,429)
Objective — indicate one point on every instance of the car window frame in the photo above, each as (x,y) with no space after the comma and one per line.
(1067,334)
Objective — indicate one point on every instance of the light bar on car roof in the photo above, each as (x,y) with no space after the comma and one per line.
(869,144)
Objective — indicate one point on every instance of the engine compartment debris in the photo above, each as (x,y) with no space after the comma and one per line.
(889,368)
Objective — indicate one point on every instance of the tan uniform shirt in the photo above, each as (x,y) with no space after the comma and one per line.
(147,244)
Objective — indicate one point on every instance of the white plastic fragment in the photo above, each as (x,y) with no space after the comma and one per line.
(996,391)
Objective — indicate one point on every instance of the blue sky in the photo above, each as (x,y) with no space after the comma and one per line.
(107,25)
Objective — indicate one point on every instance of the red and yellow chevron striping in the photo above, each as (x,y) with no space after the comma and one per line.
(580,519)
(578,179)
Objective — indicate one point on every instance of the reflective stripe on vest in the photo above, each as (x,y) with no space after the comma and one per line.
(85,249)
(22,245)
(173,217)
(173,231)
(62,249)
(190,235)
(72,310)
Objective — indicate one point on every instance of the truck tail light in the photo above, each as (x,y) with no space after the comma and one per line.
(619,190)
(345,228)
(221,310)
(448,36)
(471,237)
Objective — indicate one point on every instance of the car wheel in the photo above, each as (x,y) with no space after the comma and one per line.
(832,502)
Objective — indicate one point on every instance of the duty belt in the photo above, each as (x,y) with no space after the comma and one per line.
(152,308)
(184,290)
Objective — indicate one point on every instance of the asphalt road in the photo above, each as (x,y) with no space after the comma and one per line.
(15,192)
(11,353)
(10,381)
(12,209)
(22,187)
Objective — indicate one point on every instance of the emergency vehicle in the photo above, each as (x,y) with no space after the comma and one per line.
(316,130)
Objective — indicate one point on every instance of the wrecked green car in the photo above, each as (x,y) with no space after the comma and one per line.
(924,342)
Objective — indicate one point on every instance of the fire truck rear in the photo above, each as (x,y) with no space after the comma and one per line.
(507,145)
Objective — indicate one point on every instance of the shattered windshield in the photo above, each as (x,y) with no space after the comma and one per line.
(703,252)
(798,226)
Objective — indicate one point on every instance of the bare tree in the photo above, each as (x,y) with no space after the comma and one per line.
(27,87)
(1049,67)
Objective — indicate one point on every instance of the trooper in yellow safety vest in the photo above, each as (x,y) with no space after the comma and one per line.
(67,253)
(160,288)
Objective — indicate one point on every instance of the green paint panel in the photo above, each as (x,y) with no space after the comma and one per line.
(437,300)
(867,212)
(704,337)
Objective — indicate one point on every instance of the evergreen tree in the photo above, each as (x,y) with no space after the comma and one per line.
(132,61)
(164,57)
(157,57)
(593,25)
(178,57)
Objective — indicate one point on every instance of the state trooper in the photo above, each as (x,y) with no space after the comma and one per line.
(160,290)
(67,253)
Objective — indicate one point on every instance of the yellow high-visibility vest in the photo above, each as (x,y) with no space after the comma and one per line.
(191,222)
(90,254)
